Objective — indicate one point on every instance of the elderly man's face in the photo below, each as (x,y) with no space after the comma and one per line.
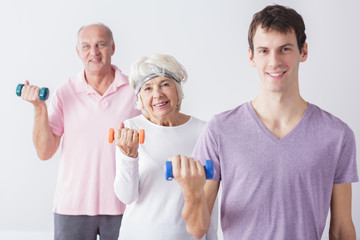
(95,49)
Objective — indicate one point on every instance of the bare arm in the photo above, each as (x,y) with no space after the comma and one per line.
(199,194)
(46,142)
(197,212)
(341,224)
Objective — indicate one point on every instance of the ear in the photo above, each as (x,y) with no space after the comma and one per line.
(142,103)
(143,109)
(304,53)
(251,58)
(77,50)
(112,48)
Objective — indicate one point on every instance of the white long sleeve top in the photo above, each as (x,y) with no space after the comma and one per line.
(154,205)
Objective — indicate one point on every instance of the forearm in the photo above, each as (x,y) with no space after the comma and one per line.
(212,233)
(46,143)
(341,224)
(196,215)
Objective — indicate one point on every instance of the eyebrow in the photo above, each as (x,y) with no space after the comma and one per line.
(101,41)
(285,45)
(163,80)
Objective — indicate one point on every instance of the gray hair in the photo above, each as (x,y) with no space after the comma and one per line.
(108,30)
(146,68)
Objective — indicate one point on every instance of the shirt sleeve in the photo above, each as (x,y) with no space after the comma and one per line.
(207,147)
(346,170)
(55,112)
(126,184)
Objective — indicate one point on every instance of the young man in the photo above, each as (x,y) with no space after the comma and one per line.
(282,161)
(81,111)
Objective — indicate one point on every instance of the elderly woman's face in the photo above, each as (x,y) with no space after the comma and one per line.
(159,97)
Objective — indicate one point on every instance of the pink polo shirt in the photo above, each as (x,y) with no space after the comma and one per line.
(87,165)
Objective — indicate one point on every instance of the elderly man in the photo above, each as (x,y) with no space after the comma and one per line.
(81,111)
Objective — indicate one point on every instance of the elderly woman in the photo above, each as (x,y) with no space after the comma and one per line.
(154,205)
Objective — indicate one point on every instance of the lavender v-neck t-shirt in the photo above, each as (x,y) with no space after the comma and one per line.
(277,189)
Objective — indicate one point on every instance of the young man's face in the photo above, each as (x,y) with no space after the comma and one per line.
(277,57)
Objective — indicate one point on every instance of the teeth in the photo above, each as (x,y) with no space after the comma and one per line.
(275,74)
(161,104)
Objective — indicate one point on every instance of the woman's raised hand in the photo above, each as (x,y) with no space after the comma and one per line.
(127,140)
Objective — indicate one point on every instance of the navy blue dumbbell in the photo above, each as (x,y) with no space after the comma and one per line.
(208,167)
(43,94)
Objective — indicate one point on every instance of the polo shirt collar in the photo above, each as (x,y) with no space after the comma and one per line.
(81,84)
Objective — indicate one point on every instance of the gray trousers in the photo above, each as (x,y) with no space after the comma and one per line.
(75,227)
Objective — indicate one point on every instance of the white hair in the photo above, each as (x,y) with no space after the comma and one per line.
(108,30)
(157,64)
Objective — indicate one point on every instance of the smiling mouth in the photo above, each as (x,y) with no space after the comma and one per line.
(95,60)
(276,74)
(159,105)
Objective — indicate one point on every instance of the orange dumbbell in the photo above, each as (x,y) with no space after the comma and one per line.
(141,135)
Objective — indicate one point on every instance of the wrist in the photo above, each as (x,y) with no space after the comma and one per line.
(133,155)
(193,196)
(39,106)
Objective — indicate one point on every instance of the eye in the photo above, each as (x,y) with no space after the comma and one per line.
(101,44)
(286,49)
(262,51)
(165,84)
(85,46)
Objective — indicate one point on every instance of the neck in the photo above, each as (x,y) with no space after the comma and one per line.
(100,81)
(176,119)
(279,113)
(277,105)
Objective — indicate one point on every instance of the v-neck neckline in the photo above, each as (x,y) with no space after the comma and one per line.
(269,133)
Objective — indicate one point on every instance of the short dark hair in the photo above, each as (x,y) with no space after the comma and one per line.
(278,18)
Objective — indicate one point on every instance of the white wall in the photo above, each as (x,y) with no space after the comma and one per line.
(208,36)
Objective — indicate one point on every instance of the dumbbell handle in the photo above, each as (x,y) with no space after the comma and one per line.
(208,167)
(43,94)
(141,135)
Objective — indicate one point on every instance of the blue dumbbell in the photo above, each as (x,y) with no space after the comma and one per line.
(43,94)
(208,167)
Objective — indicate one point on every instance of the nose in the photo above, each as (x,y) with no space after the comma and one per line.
(94,51)
(157,93)
(275,59)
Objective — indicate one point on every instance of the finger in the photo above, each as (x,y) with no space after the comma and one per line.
(122,125)
(27,92)
(176,165)
(129,136)
(135,136)
(117,134)
(185,167)
(193,167)
(35,93)
(200,168)
(124,135)
(26,82)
